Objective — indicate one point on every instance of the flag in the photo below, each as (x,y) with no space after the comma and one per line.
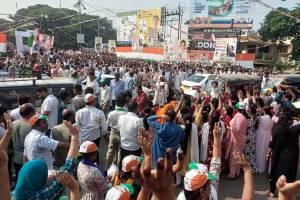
(3,41)
(29,41)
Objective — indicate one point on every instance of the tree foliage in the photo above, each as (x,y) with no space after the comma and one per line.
(277,26)
(34,16)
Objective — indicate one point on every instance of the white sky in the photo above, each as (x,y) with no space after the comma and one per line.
(9,6)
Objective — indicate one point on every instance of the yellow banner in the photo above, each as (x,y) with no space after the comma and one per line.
(148,22)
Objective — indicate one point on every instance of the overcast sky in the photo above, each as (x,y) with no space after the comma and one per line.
(9,6)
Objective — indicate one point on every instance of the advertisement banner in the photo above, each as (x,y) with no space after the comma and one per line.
(112,46)
(225,50)
(148,26)
(98,44)
(222,14)
(80,38)
(3,41)
(206,40)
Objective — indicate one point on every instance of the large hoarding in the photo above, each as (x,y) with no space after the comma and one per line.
(202,43)
(222,14)
(126,26)
(140,28)
(148,22)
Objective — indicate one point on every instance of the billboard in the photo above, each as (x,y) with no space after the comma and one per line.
(206,40)
(222,14)
(126,26)
(98,44)
(225,50)
(148,26)
(33,41)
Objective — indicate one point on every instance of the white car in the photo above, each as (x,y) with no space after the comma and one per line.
(196,82)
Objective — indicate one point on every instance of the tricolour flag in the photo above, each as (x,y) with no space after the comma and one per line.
(3,41)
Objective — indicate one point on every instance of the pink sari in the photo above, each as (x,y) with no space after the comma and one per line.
(237,141)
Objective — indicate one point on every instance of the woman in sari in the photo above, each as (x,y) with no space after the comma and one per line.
(263,136)
(237,138)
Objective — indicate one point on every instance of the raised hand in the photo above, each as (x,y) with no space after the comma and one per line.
(3,158)
(241,160)
(8,123)
(217,131)
(144,140)
(160,180)
(287,191)
(72,128)
(68,181)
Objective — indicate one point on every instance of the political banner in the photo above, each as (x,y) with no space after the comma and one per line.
(24,41)
(126,26)
(112,46)
(3,41)
(177,50)
(182,46)
(98,44)
(200,56)
(225,50)
(80,38)
(222,14)
(148,26)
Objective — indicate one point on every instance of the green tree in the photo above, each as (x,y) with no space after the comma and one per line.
(65,37)
(277,26)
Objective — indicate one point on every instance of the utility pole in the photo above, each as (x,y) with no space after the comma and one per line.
(176,16)
(99,27)
(59,3)
(180,14)
(79,5)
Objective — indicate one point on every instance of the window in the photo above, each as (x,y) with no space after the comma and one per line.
(195,78)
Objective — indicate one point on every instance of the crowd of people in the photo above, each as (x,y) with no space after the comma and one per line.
(156,143)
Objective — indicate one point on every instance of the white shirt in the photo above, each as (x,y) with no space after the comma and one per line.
(160,95)
(129,125)
(91,121)
(15,114)
(105,94)
(93,84)
(51,104)
(38,146)
(113,118)
(168,76)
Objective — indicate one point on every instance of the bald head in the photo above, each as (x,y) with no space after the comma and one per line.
(27,110)
(68,115)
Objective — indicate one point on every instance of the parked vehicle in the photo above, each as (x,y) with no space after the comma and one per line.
(11,88)
(286,79)
(195,82)
(203,82)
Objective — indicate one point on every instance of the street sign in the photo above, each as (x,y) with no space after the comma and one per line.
(80,38)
